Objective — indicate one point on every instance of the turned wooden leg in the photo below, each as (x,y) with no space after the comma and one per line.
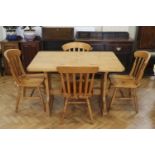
(41,98)
(113,97)
(33,90)
(130,92)
(19,97)
(48,95)
(101,104)
(135,100)
(44,87)
(121,92)
(104,91)
(65,108)
(89,110)
(24,92)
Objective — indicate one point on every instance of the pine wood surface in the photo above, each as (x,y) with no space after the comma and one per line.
(77,84)
(121,115)
(48,61)
(23,80)
(77,47)
(134,78)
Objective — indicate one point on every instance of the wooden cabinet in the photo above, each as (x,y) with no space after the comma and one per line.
(123,50)
(54,37)
(57,33)
(5,45)
(118,42)
(53,45)
(146,41)
(146,37)
(29,50)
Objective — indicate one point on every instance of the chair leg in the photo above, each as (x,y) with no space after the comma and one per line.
(65,108)
(113,97)
(33,90)
(19,97)
(108,83)
(130,92)
(41,98)
(24,92)
(44,87)
(135,100)
(90,110)
(121,92)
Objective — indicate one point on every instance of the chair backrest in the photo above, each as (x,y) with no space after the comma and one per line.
(77,47)
(141,60)
(13,59)
(77,82)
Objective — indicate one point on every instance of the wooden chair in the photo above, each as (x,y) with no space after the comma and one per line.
(133,80)
(77,90)
(77,47)
(23,80)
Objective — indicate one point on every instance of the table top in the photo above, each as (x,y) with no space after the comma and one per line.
(48,61)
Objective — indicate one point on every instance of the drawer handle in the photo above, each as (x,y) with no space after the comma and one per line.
(118,48)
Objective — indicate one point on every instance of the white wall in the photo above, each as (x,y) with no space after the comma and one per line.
(115,28)
(132,31)
(2,33)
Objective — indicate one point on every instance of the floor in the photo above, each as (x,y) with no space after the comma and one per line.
(31,114)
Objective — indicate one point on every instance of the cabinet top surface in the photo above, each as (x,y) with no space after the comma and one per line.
(17,41)
(105,40)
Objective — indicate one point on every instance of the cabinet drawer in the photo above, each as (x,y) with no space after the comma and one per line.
(6,46)
(117,48)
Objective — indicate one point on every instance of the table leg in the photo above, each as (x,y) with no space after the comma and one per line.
(48,94)
(104,93)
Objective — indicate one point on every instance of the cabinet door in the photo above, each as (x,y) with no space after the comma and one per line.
(97,47)
(29,50)
(149,68)
(6,46)
(146,41)
(146,37)
(55,45)
(123,51)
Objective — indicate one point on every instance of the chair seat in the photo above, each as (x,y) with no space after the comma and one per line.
(29,81)
(40,75)
(117,76)
(124,82)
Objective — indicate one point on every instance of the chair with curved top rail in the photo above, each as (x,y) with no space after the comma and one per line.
(77,47)
(133,80)
(79,90)
(22,79)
